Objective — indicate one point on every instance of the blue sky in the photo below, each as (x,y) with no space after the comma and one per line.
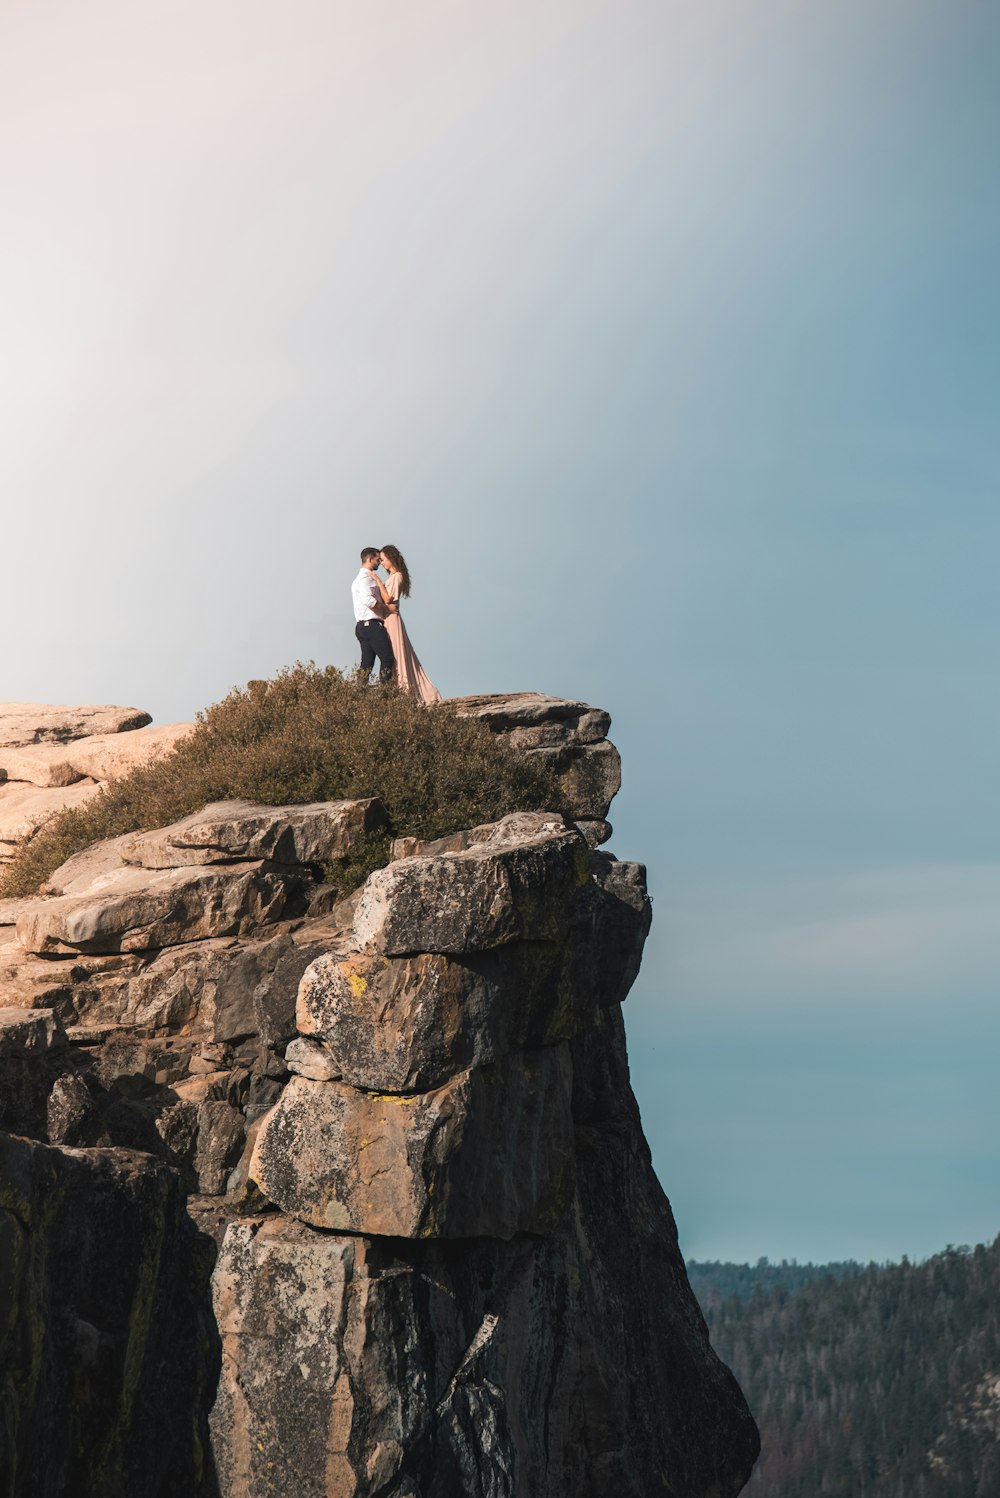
(664,340)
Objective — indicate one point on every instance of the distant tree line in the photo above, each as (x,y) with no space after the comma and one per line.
(714,1282)
(880,1381)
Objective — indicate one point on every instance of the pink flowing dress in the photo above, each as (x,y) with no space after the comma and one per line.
(410,674)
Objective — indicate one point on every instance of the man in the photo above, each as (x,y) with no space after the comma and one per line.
(369,611)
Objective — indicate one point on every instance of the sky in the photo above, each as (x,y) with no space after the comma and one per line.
(664,340)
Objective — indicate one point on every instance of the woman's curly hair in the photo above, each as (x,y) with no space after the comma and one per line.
(396,558)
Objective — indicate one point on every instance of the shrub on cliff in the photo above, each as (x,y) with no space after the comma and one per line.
(308,735)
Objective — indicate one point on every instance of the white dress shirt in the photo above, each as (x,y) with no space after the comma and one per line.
(366,595)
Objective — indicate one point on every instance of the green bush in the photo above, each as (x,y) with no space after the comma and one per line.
(309,735)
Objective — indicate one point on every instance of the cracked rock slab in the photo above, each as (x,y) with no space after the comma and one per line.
(473,901)
(590,776)
(74,988)
(404,1024)
(138,909)
(316,833)
(490,1152)
(107,756)
(518,827)
(46,723)
(99,757)
(570,738)
(43,765)
(535,720)
(30,1032)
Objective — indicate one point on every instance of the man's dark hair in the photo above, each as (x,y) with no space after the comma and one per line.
(369,551)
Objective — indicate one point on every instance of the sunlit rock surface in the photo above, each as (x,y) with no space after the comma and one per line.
(55,757)
(403,1121)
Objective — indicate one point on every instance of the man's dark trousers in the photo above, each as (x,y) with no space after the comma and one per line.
(373,638)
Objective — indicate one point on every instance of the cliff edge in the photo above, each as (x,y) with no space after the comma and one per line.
(322,1196)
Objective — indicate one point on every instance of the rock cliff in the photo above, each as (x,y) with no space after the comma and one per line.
(54,757)
(402,1129)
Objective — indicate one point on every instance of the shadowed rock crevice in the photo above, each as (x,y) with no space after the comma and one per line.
(107,1345)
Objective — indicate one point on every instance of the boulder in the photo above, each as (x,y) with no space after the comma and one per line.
(136,909)
(69,1108)
(489,1152)
(621,916)
(78,989)
(569,738)
(228,831)
(518,827)
(44,723)
(403,1024)
(99,757)
(26,1033)
(589,775)
(220,1138)
(312,1059)
(124,1055)
(207,988)
(535,721)
(41,764)
(471,901)
(107,756)
(594,830)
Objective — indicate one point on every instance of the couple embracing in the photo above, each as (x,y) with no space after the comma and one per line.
(379,625)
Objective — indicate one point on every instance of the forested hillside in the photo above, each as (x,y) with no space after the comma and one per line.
(877,1382)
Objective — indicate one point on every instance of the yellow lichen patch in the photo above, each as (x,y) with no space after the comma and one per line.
(357,984)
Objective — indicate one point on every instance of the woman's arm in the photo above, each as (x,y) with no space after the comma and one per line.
(388,601)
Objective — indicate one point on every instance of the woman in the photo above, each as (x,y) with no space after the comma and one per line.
(410,675)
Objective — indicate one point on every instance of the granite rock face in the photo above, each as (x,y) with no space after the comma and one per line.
(569,1362)
(99,757)
(25,808)
(233,831)
(404,1122)
(54,757)
(139,910)
(407,1024)
(474,900)
(487,1154)
(570,737)
(25,723)
(107,1347)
